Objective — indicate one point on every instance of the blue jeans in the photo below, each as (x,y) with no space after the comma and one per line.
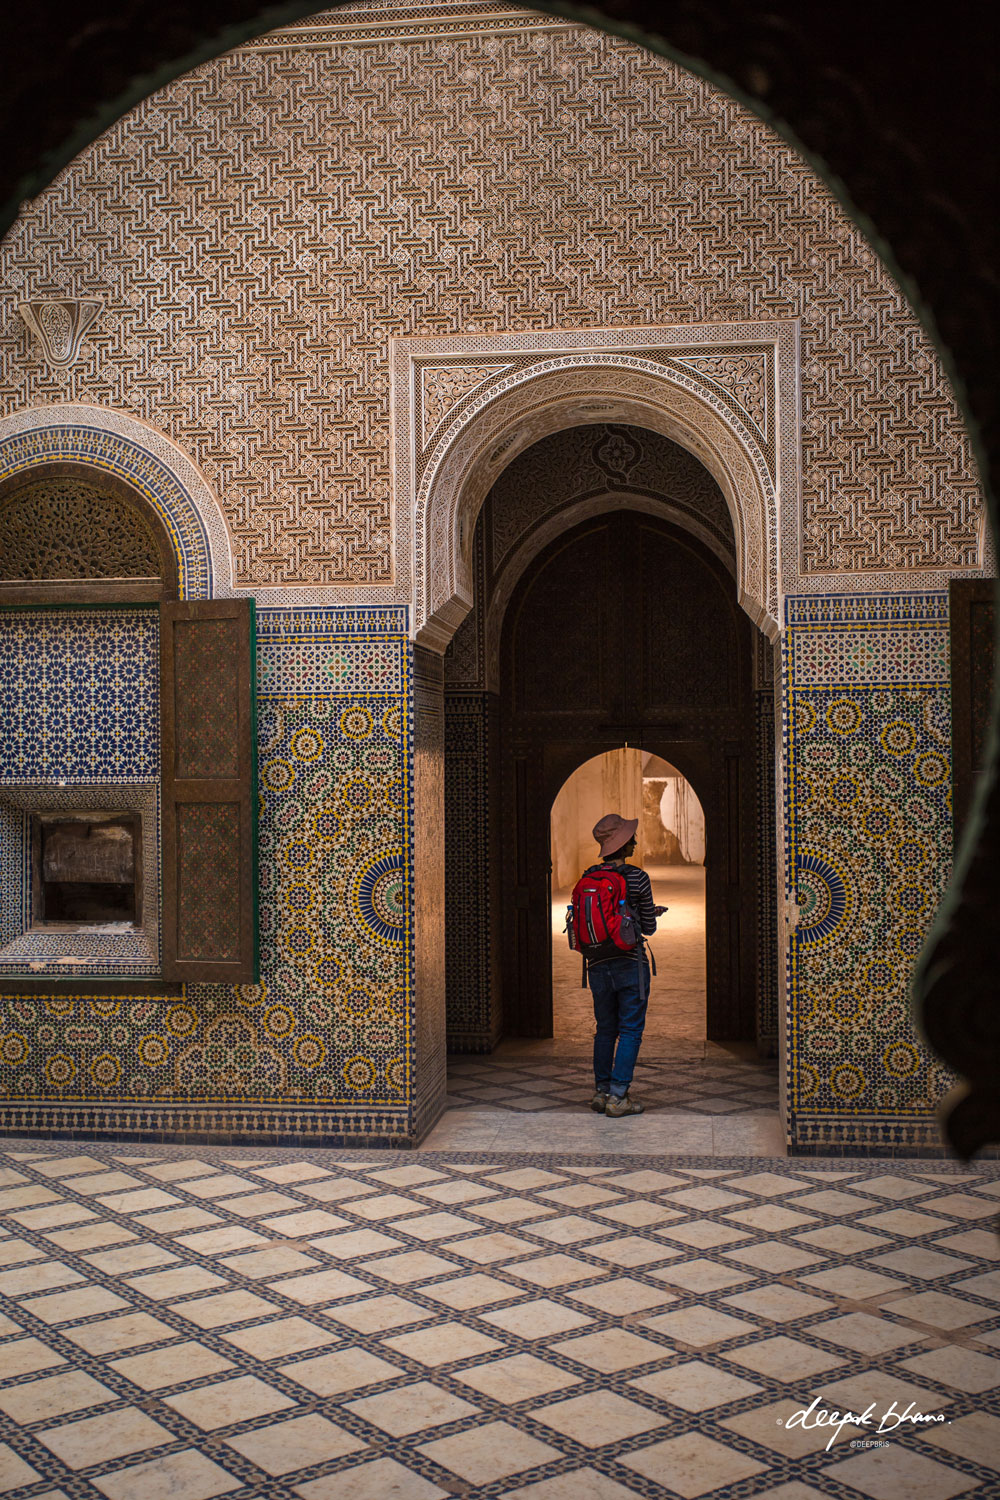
(620,988)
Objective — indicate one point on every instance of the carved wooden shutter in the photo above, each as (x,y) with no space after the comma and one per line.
(207,651)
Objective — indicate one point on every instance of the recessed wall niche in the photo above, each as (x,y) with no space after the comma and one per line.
(80,881)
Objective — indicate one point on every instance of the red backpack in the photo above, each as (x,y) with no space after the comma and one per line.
(600,912)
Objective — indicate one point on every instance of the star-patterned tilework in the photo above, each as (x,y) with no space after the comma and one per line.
(276,1325)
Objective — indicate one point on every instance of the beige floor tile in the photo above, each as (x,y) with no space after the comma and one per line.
(174,1365)
(702,1234)
(69,1307)
(409,1176)
(222,1241)
(487,1249)
(315,1287)
(975,1437)
(305,1223)
(896,1189)
(179,1281)
(856,1393)
(412,1265)
(187,1475)
(355,1243)
(14,1252)
(104,1182)
(94,1440)
(24,1197)
(441,1344)
(640,1213)
(700,1275)
(292,1171)
(631,1250)
(275,1260)
(7,1325)
(536,1319)
(180,1171)
(865,1334)
(554,1270)
(766,1184)
(8,1176)
(171,1220)
(906,1222)
(894,1472)
(772,1218)
(91,1236)
(384,1206)
(623,1295)
(256,1205)
(597,1418)
(55,1396)
(139,1201)
(113,1334)
(939,1310)
(519,1377)
(611,1350)
(14,1472)
(458,1192)
(279,1339)
(335,1190)
(436,1226)
(691,1465)
(700,1326)
(985,1284)
(221,1185)
(514,1210)
(407,1409)
(696,1386)
(229,1401)
(463,1293)
(134,1258)
(566,1229)
(705,1198)
(841,1239)
(767,1426)
(37,1278)
(489,1452)
(644,1180)
(773,1256)
(380,1314)
(856,1283)
(68,1166)
(979,1242)
(580,1483)
(580,1195)
(777,1304)
(296,1444)
(343,1370)
(962,1206)
(52,1216)
(224,1309)
(784,1359)
(384,1478)
(832,1201)
(523,1179)
(952,1365)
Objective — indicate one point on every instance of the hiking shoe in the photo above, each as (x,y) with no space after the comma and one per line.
(616,1107)
(599,1102)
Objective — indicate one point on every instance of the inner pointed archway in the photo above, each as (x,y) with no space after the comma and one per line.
(670,846)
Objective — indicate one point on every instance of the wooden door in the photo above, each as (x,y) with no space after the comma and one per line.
(626,630)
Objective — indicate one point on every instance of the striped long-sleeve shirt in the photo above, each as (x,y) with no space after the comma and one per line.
(640,898)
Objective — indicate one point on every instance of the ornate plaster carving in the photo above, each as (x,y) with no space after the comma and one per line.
(59,325)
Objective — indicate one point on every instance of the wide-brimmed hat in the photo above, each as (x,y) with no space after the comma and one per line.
(612,832)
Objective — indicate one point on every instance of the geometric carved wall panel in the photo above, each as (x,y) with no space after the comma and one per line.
(260,227)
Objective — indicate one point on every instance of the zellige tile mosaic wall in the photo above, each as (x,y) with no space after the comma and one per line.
(869,840)
(321,1045)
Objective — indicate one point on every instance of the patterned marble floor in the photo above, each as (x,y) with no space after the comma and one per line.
(193,1322)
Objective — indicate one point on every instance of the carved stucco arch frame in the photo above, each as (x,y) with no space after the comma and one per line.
(115,442)
(515,406)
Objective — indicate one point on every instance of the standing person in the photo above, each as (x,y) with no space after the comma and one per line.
(619,982)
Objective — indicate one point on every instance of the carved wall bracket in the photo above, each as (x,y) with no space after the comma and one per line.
(59,325)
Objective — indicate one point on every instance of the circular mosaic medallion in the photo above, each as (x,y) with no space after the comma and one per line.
(378,898)
(826,901)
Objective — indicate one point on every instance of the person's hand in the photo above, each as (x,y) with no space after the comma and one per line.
(659,910)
